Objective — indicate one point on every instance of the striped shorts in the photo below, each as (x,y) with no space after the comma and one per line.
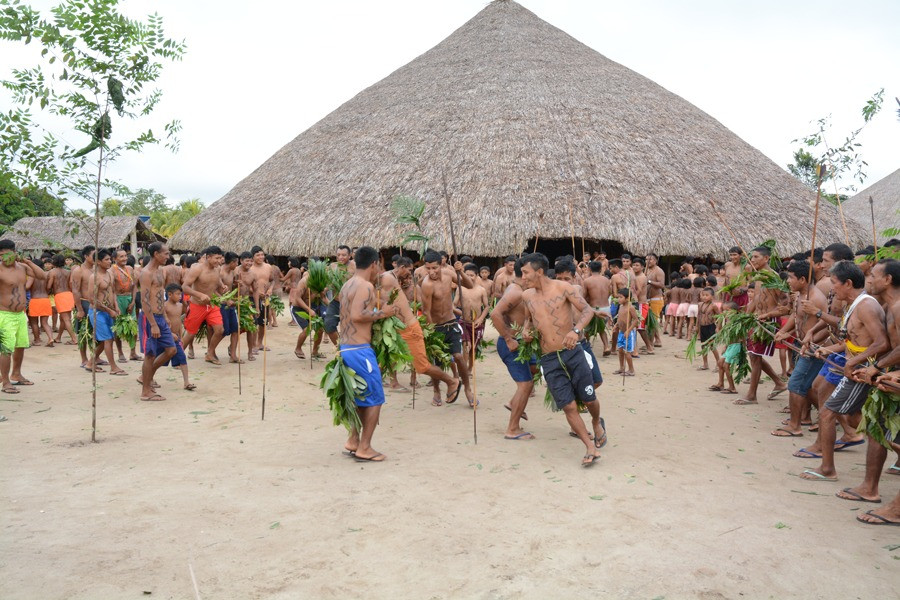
(848,397)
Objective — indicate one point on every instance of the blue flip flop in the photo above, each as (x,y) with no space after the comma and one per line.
(840,445)
(521,436)
(804,453)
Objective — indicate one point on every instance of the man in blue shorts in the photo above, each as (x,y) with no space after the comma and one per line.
(157,342)
(510,313)
(358,312)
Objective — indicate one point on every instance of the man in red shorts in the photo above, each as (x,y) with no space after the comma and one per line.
(203,280)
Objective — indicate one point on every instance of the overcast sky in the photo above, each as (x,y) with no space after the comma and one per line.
(257,74)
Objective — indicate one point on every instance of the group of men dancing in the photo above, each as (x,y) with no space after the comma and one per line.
(841,321)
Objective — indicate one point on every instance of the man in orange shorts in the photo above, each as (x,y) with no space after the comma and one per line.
(58,285)
(40,310)
(201,282)
(412,334)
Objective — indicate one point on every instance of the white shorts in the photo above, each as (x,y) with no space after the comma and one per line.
(693,311)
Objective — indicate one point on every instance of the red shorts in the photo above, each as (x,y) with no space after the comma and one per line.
(199,314)
(467,333)
(644,310)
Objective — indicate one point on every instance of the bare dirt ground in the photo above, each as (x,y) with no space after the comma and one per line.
(692,498)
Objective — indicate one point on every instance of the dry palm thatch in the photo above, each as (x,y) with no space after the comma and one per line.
(523,119)
(59,233)
(885,194)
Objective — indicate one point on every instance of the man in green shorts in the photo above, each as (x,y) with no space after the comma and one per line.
(14,271)
(125,285)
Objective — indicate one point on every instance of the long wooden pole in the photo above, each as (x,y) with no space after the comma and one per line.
(309,326)
(874,235)
(264,351)
(458,276)
(238,312)
(474,383)
(537,234)
(572,229)
(820,170)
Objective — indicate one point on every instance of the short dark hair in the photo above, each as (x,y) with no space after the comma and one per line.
(615,263)
(7,245)
(839,252)
(847,270)
(708,290)
(800,269)
(653,254)
(684,283)
(432,257)
(58,260)
(294,262)
(699,282)
(891,269)
(465,259)
(623,292)
(404,261)
(365,257)
(517,268)
(509,258)
(565,265)
(443,253)
(867,251)
(596,266)
(701,269)
(270,259)
(230,257)
(246,255)
(88,249)
(536,261)
(101,254)
(189,260)
(764,250)
(735,250)
(153,248)
(255,250)
(625,256)
(711,280)
(395,258)
(214,250)
(638,261)
(173,287)
(341,247)
(471,267)
(485,268)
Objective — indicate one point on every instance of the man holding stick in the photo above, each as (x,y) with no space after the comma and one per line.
(158,343)
(358,312)
(559,315)
(81,289)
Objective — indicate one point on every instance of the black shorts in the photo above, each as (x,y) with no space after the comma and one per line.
(707,331)
(332,316)
(263,315)
(452,335)
(568,376)
(848,397)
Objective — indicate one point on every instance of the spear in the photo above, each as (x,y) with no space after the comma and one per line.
(537,234)
(474,384)
(264,351)
(458,276)
(571,227)
(238,312)
(820,171)
(582,237)
(310,333)
(874,235)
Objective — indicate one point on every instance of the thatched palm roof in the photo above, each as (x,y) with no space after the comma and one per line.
(523,119)
(49,233)
(885,195)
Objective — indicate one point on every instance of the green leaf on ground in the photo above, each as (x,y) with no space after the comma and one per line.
(275,525)
(597,497)
(780,525)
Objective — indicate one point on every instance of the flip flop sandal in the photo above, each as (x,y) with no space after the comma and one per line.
(883,521)
(855,497)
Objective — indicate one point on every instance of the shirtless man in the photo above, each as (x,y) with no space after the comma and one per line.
(201,282)
(475,303)
(412,334)
(247,282)
(863,325)
(103,311)
(437,304)
(504,276)
(806,368)
(39,308)
(656,285)
(158,343)
(302,300)
(230,328)
(125,287)
(484,280)
(276,279)
(511,312)
(559,315)
(14,271)
(80,283)
(58,285)
(293,275)
(596,293)
(885,285)
(346,266)
(733,270)
(767,305)
(262,272)
(358,312)
(641,286)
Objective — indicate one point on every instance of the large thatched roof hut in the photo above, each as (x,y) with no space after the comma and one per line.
(36,234)
(885,194)
(524,121)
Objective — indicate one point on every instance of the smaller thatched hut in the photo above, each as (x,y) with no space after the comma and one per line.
(885,194)
(37,234)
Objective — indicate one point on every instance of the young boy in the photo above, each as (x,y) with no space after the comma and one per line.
(684,303)
(694,307)
(729,357)
(174,311)
(627,321)
(706,323)
(475,309)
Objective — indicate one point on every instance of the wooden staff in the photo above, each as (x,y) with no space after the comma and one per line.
(310,333)
(571,228)
(266,305)
(874,235)
(458,276)
(582,238)
(820,171)
(537,234)
(474,384)
(238,312)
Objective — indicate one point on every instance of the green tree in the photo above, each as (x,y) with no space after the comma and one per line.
(93,61)
(16,202)
(804,169)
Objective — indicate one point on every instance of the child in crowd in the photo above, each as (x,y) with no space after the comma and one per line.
(174,312)
(627,321)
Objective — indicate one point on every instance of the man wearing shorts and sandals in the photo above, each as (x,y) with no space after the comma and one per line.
(14,271)
(864,340)
(157,342)
(203,280)
(559,315)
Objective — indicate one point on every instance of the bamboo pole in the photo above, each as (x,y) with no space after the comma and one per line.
(238,312)
(309,326)
(820,171)
(264,351)
(537,234)
(474,384)
(571,228)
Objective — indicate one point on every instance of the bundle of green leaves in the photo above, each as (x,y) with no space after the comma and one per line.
(391,350)
(595,327)
(436,346)
(125,328)
(317,279)
(881,416)
(276,304)
(342,386)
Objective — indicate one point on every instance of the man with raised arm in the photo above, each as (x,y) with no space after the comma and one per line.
(559,315)
(358,312)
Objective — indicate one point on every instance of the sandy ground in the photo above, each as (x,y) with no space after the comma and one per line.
(692,498)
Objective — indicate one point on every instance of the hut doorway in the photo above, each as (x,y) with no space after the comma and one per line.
(556,247)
